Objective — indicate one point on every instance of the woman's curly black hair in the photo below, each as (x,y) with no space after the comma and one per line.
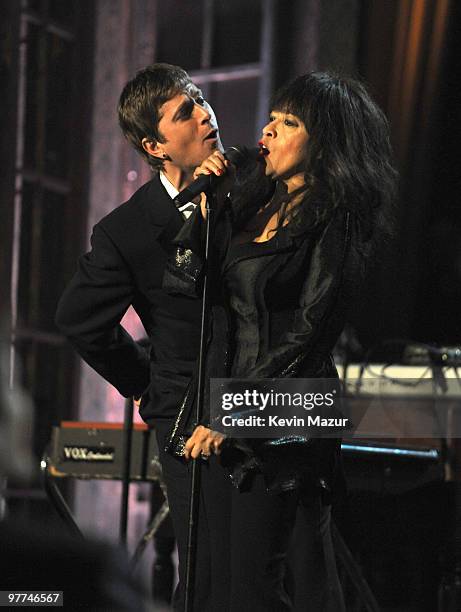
(349,159)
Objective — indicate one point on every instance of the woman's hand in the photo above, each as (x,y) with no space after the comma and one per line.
(203,442)
(218,165)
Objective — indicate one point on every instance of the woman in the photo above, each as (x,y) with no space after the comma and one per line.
(291,248)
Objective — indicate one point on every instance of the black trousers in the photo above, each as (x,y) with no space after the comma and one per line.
(244,542)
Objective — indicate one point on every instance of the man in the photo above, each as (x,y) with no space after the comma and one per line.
(164,117)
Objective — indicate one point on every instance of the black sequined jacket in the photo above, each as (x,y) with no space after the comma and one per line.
(300,303)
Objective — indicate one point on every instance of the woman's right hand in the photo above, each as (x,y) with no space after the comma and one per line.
(218,165)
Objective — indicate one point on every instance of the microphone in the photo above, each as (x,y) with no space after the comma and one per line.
(238,156)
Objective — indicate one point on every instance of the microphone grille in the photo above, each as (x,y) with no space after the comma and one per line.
(240,155)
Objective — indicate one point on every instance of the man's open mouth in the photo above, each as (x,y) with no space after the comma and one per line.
(211,135)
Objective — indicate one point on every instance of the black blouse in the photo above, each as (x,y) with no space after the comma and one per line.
(248,313)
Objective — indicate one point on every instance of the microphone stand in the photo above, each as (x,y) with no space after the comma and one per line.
(126,470)
(191,557)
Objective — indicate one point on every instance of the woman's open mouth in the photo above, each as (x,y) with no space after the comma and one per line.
(264,151)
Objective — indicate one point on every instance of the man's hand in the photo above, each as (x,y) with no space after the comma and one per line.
(203,442)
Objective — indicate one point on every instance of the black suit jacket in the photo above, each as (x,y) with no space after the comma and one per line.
(129,250)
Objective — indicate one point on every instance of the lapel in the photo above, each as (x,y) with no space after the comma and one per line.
(164,218)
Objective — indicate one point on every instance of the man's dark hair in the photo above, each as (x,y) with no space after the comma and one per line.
(141,100)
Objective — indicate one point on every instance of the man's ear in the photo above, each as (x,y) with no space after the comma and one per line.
(152,148)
